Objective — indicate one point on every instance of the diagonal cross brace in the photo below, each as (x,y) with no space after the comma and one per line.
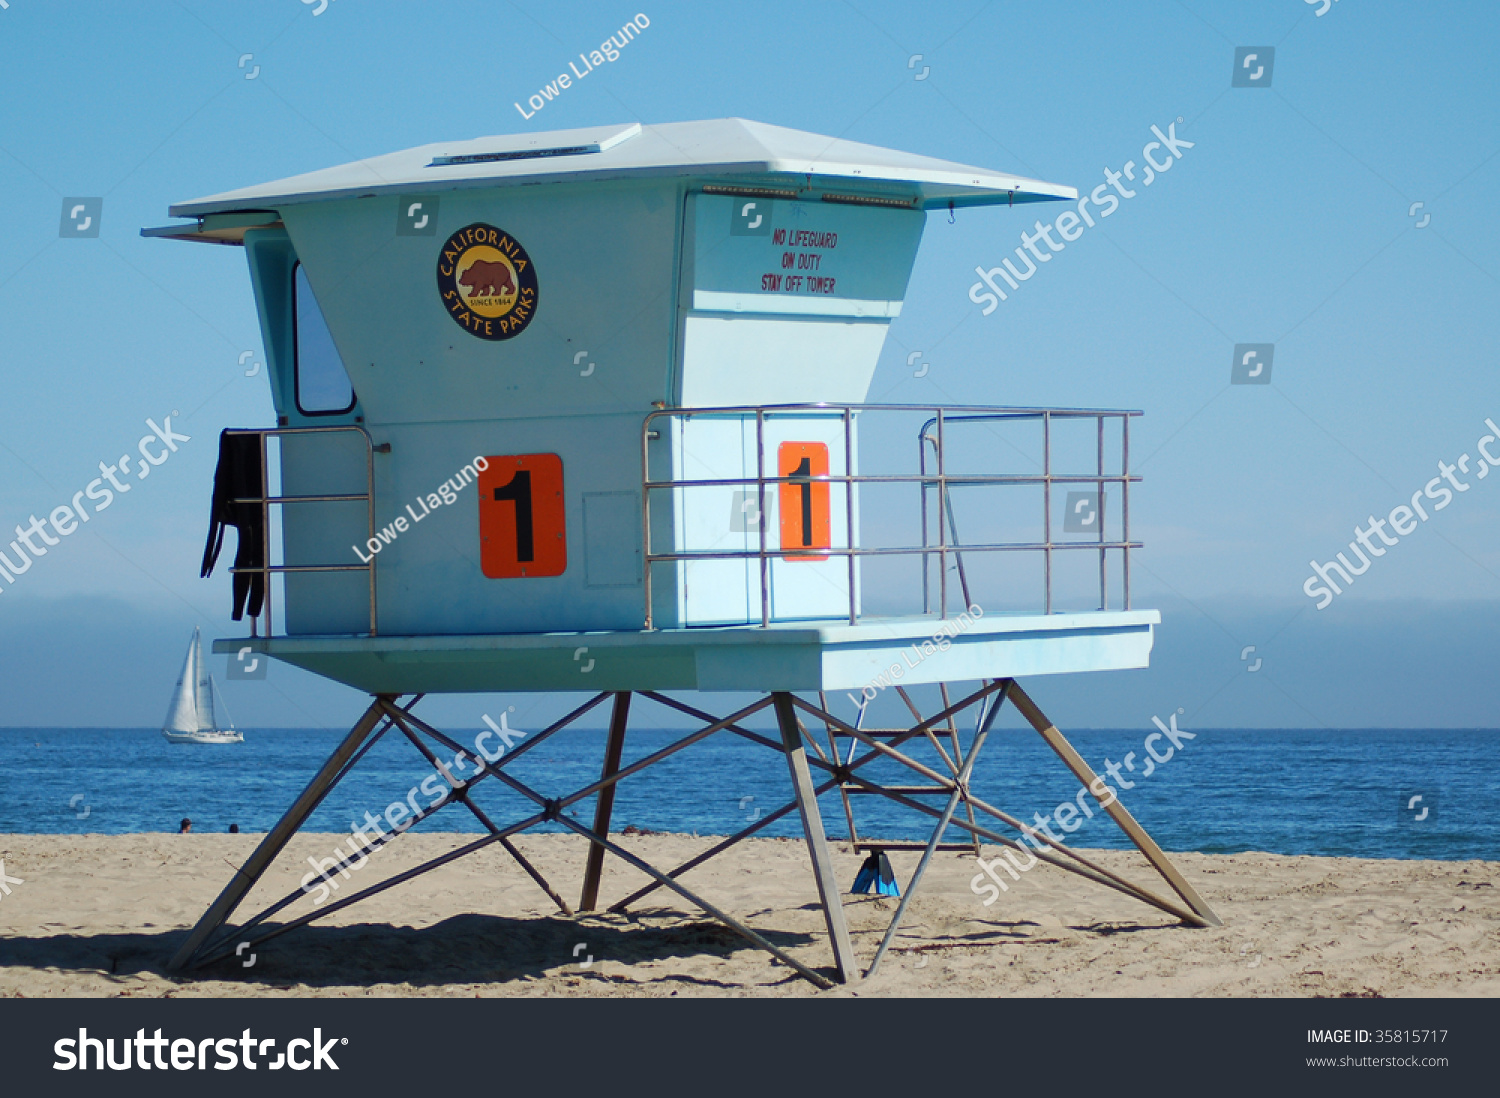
(960,792)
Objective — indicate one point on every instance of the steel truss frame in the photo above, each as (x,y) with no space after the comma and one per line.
(213,939)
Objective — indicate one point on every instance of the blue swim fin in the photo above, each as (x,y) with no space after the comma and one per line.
(876,873)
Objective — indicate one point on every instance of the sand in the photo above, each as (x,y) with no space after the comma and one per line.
(98,915)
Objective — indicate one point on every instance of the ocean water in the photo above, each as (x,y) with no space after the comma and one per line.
(1292,791)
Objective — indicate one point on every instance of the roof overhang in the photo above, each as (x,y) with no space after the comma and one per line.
(726,152)
(226,228)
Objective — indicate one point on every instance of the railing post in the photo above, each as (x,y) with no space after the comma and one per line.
(265,532)
(370,513)
(922,472)
(760,484)
(1125,501)
(646,516)
(942,526)
(1047,502)
(1103,553)
(849,503)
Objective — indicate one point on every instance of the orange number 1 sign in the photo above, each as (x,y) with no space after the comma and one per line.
(522,522)
(804,501)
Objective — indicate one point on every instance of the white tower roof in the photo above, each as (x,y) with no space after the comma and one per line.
(728,148)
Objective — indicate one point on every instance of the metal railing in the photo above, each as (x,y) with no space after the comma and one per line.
(933,435)
(266,500)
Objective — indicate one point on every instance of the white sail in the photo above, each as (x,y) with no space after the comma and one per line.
(182,712)
(190,716)
(203,698)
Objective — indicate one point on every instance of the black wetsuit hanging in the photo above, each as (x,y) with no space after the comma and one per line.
(238,476)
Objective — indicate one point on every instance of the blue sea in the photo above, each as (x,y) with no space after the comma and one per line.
(1343,793)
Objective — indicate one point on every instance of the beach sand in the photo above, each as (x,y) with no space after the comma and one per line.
(98,915)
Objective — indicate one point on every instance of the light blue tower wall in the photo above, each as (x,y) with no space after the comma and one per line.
(649,293)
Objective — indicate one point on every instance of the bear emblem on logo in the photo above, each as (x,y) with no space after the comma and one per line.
(486,279)
(487,282)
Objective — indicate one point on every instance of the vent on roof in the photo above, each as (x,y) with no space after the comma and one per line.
(870,200)
(590,144)
(751,192)
(521,154)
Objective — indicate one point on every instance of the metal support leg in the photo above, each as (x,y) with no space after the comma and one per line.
(817,844)
(244,880)
(1136,833)
(604,807)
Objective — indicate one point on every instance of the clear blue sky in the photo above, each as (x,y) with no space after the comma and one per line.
(1288,222)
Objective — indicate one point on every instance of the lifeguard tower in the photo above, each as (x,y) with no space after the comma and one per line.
(586,411)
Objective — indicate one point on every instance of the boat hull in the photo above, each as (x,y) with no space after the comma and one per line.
(203,737)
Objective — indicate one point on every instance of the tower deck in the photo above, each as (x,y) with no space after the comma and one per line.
(783,656)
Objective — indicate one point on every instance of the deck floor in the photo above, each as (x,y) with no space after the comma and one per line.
(782,656)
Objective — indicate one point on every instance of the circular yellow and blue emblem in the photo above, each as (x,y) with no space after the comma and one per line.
(487,282)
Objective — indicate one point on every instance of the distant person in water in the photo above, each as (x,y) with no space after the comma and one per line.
(234,829)
(185,827)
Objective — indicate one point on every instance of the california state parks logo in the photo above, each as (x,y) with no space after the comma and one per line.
(487,281)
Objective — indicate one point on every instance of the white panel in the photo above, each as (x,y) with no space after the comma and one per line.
(752,360)
(713,590)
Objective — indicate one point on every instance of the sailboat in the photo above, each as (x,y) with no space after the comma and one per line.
(190,717)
